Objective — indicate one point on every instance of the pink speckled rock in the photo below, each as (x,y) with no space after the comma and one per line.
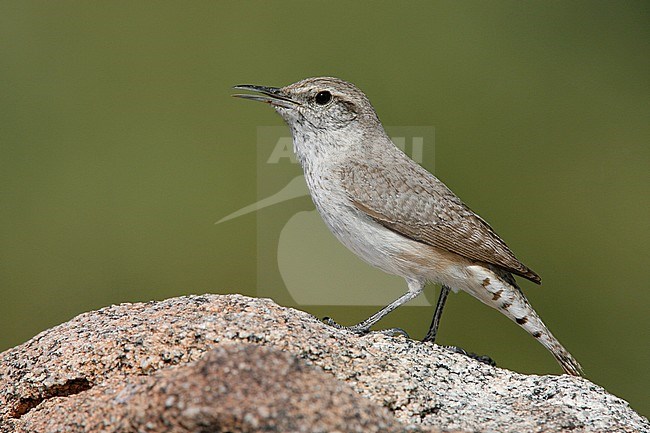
(232,363)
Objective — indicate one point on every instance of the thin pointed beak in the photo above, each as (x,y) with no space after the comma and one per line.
(270,95)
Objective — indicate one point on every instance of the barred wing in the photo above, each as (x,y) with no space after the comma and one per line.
(412,202)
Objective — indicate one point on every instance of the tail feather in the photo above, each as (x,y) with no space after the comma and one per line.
(568,363)
(501,292)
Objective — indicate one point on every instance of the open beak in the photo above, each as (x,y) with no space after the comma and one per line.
(270,95)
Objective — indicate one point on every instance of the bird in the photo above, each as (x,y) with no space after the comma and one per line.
(393,213)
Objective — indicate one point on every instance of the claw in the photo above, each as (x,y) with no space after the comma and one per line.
(480,358)
(354,329)
(394,331)
(364,331)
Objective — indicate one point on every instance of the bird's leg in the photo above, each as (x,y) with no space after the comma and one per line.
(415,288)
(437,314)
(435,323)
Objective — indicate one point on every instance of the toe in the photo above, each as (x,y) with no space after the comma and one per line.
(395,331)
(480,358)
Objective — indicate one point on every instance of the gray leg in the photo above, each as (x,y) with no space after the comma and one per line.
(433,329)
(415,288)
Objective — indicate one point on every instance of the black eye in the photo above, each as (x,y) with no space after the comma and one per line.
(323,97)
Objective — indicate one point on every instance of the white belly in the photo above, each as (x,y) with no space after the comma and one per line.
(386,249)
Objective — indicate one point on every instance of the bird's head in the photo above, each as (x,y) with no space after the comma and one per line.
(323,113)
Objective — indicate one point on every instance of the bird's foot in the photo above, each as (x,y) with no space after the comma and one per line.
(480,358)
(362,329)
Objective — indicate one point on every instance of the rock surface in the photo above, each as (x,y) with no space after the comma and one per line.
(232,363)
(237,387)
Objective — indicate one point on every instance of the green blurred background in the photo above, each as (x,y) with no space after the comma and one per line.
(120,147)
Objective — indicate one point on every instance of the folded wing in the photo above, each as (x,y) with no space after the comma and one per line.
(412,202)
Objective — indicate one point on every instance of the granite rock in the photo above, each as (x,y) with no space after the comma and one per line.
(233,363)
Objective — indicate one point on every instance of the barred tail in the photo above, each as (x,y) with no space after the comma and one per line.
(503,294)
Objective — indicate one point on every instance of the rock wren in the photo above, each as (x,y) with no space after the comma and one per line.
(393,213)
